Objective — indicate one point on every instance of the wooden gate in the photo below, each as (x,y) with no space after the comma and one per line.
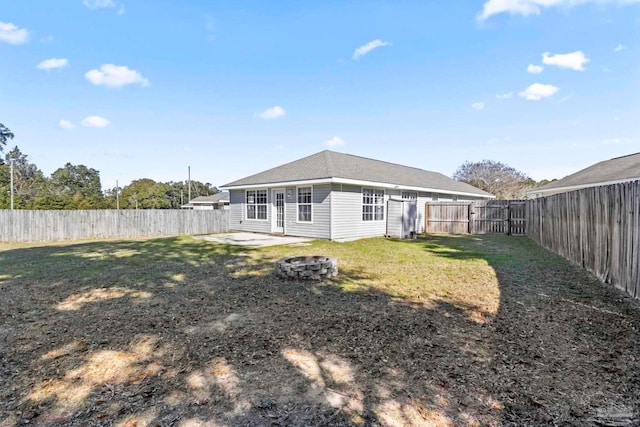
(479,217)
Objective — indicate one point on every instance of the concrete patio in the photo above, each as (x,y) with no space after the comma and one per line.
(252,240)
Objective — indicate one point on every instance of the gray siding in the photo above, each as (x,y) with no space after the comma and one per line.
(337,213)
(320,226)
(423,198)
(347,223)
(238,222)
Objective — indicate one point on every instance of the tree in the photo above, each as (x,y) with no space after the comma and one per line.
(179,192)
(496,178)
(74,187)
(28,180)
(5,134)
(145,193)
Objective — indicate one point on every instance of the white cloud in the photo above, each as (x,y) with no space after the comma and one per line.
(115,76)
(95,122)
(478,106)
(12,34)
(99,4)
(50,64)
(47,39)
(574,60)
(272,113)
(121,10)
(507,95)
(363,50)
(620,48)
(534,69)
(537,91)
(65,124)
(534,7)
(334,142)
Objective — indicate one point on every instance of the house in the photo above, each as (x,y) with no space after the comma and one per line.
(614,171)
(336,196)
(215,201)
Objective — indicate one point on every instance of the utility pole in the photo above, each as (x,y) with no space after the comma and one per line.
(11,163)
(117,195)
(189,183)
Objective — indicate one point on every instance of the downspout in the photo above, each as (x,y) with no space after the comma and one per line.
(331,213)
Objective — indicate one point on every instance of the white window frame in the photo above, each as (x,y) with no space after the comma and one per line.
(255,204)
(409,194)
(298,204)
(375,193)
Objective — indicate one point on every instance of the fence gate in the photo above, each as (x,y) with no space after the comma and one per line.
(479,217)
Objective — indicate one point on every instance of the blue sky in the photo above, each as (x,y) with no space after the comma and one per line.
(141,89)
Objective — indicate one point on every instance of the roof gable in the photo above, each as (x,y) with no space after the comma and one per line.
(329,164)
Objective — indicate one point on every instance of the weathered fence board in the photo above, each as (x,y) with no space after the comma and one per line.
(596,228)
(478,217)
(447,217)
(41,225)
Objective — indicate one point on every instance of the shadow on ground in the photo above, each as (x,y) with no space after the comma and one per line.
(188,333)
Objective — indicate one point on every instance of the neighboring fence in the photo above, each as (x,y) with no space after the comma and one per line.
(597,228)
(40,225)
(478,217)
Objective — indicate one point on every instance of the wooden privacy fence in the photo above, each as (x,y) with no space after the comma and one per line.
(41,225)
(478,217)
(597,228)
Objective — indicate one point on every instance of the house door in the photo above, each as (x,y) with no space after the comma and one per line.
(278,197)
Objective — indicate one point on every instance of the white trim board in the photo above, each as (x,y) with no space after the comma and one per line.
(356,182)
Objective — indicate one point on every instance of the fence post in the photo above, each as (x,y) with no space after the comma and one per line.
(472,218)
(427,212)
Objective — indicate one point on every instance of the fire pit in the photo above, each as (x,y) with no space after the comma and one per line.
(307,267)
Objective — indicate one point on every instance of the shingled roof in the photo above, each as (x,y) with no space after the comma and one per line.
(334,167)
(223,196)
(618,169)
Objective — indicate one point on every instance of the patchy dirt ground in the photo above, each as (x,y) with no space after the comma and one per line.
(442,331)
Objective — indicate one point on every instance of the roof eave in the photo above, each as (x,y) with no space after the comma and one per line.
(336,180)
(580,186)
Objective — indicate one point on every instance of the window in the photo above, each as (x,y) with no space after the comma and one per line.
(434,197)
(409,195)
(304,204)
(372,204)
(455,198)
(256,204)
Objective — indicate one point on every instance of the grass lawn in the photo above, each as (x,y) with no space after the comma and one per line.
(468,330)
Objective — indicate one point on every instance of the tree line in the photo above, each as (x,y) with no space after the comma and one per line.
(79,187)
(497,178)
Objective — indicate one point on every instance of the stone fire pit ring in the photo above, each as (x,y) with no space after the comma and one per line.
(307,267)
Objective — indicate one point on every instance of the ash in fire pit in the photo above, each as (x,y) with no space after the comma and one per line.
(307,267)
